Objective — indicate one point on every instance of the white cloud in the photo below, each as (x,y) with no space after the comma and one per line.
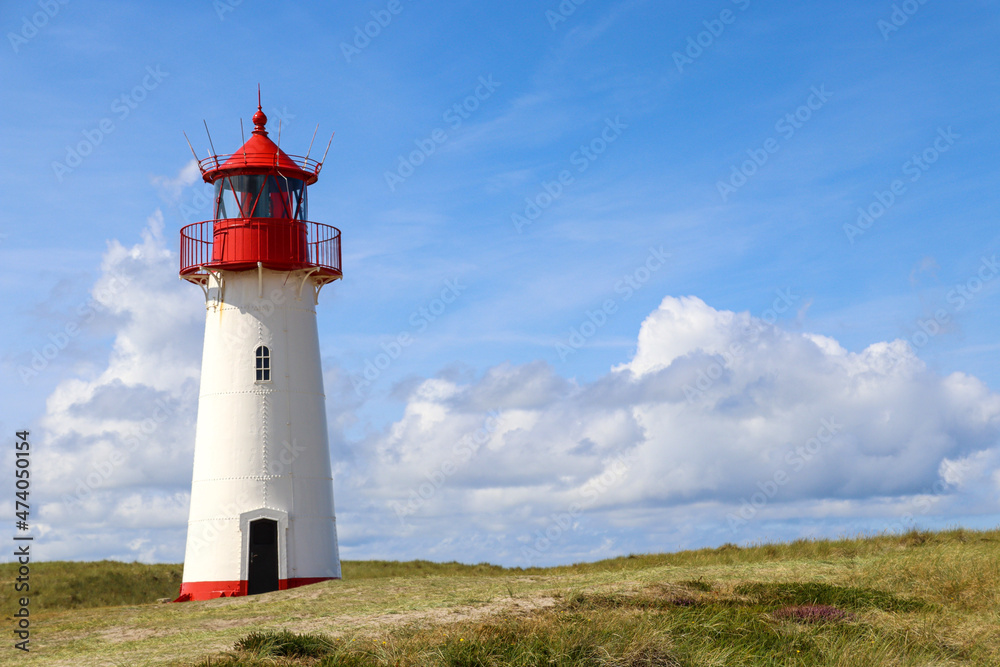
(716,412)
(121,441)
(172,187)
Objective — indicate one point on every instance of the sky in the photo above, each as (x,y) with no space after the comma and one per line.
(671,275)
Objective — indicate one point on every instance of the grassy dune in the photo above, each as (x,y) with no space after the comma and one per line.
(917,599)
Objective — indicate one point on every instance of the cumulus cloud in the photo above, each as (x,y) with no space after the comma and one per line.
(116,447)
(720,420)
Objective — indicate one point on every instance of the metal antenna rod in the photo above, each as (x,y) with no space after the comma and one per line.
(326,151)
(277,152)
(192,148)
(243,137)
(306,161)
(214,154)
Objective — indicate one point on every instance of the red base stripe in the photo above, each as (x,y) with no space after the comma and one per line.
(209,590)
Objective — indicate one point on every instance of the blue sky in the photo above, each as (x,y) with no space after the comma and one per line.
(643,109)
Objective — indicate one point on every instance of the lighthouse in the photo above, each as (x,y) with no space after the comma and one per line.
(262,515)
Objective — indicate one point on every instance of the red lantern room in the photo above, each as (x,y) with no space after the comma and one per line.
(261,216)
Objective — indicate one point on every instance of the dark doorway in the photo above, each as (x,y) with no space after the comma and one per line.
(262,571)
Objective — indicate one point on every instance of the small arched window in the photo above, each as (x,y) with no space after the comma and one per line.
(263,364)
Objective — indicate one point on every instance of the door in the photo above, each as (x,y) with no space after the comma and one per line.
(262,569)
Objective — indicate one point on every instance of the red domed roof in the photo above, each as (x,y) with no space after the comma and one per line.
(260,155)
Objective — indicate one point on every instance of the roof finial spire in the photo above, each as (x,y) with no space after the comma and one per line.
(259,118)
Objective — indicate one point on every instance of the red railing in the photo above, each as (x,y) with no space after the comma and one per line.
(240,243)
(213,162)
(324,246)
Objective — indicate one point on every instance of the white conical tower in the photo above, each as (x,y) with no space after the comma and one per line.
(262,514)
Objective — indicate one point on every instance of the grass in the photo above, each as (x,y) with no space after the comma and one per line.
(847,597)
(710,632)
(917,599)
(61,585)
(80,585)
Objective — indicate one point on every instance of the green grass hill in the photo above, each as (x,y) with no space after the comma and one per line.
(915,599)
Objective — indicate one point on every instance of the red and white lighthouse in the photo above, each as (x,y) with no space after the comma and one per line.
(262,514)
